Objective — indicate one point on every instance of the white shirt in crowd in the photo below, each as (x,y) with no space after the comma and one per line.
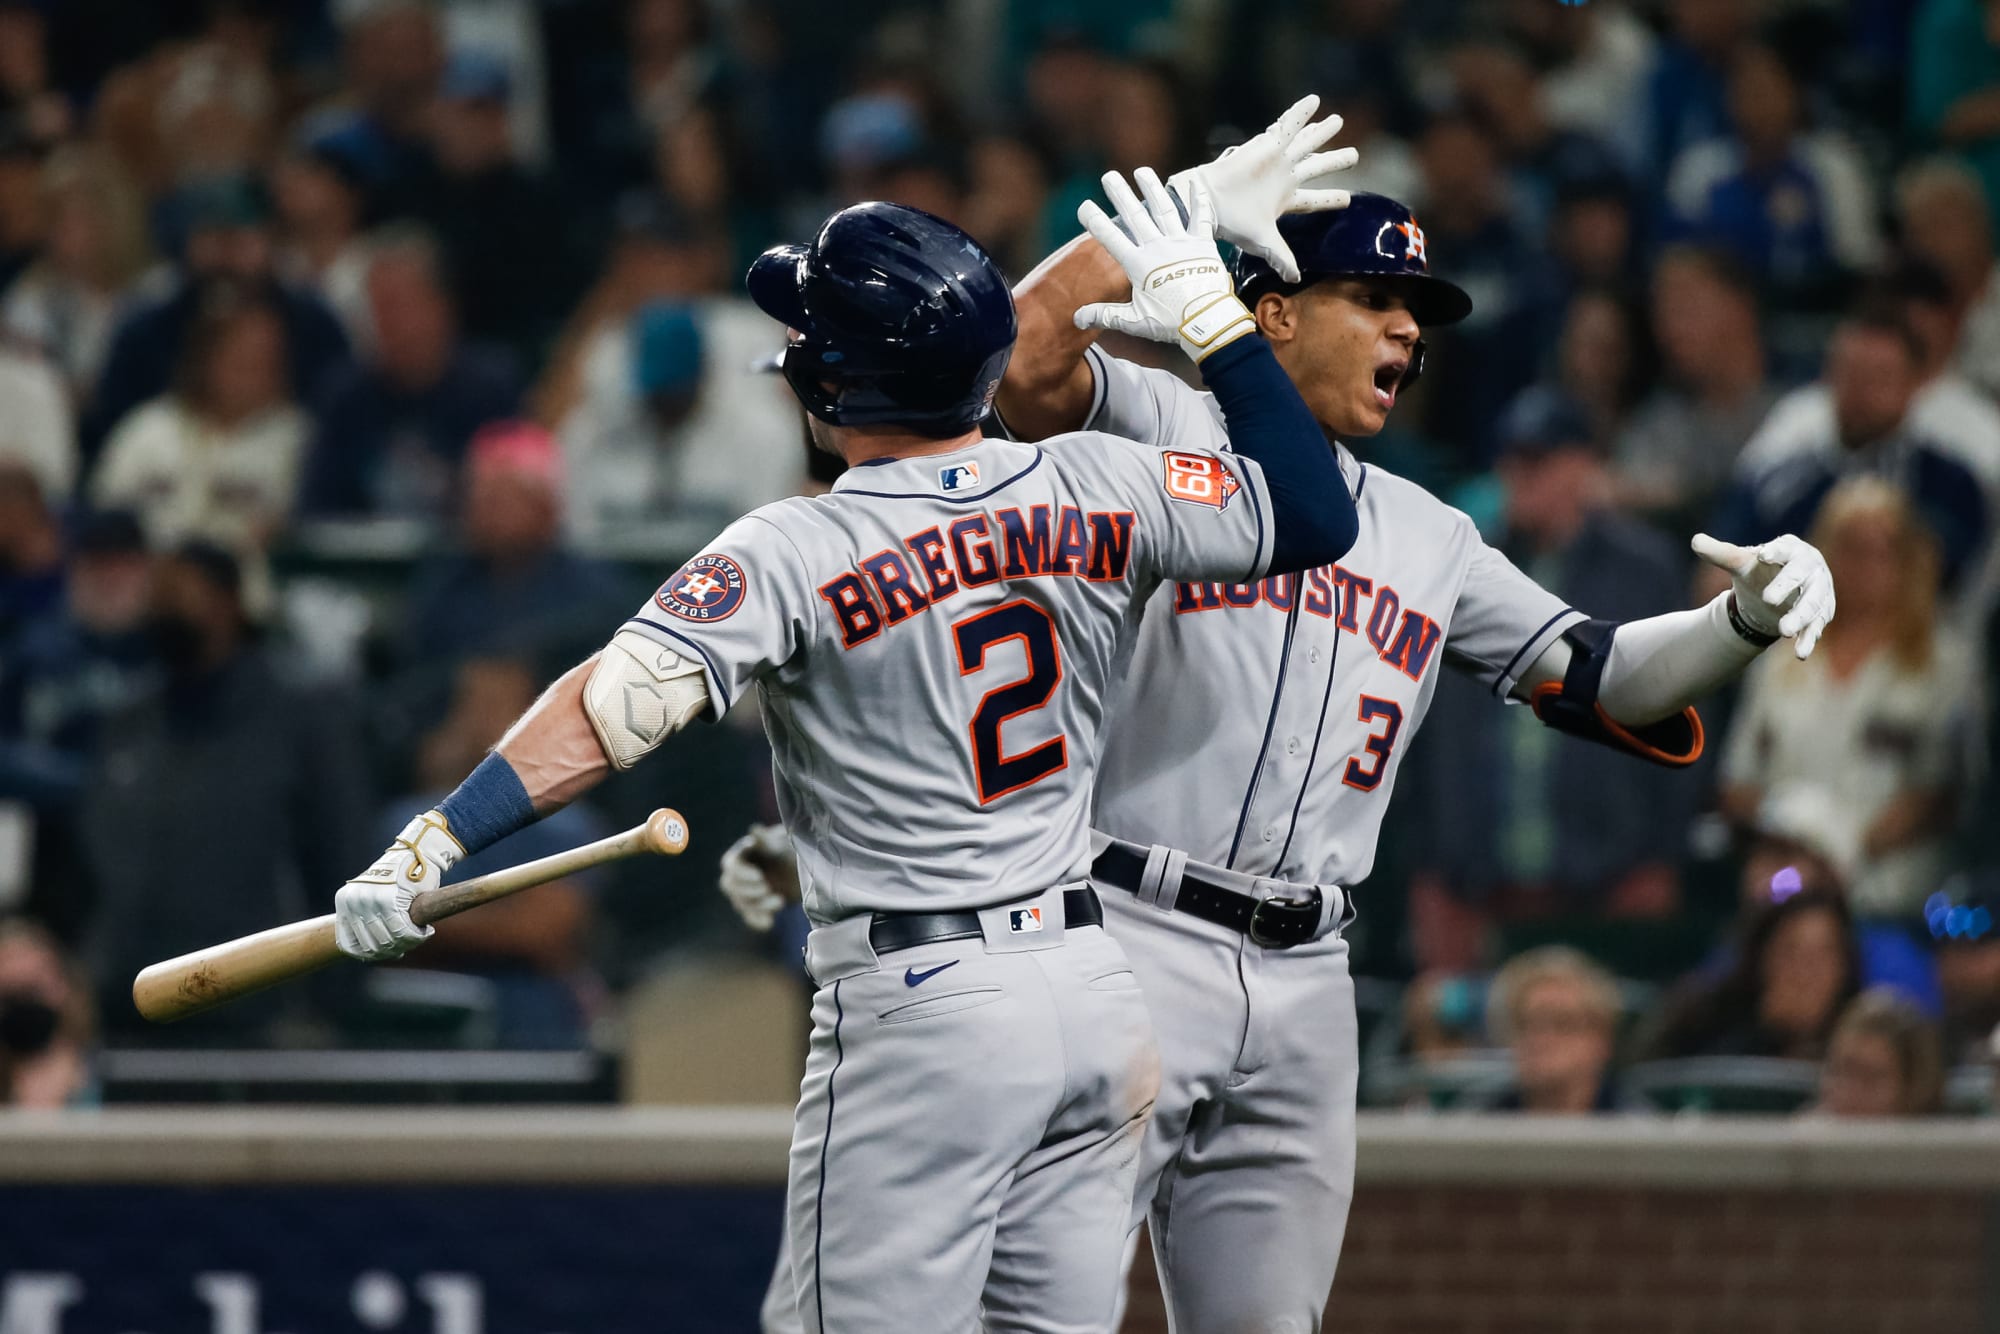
(185,478)
(1979,340)
(741,447)
(37,429)
(1884,731)
(69,321)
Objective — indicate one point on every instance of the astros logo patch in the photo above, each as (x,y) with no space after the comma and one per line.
(1021,920)
(707,588)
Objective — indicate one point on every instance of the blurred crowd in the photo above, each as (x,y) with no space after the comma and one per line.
(363,361)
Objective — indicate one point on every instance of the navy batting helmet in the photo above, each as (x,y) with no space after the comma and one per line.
(1373,237)
(901,318)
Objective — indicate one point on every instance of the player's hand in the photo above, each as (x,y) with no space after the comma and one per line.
(760,875)
(1181,290)
(372,911)
(1263,178)
(1782,588)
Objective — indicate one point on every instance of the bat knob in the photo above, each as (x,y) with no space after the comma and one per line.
(666,832)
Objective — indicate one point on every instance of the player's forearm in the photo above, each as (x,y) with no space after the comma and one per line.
(1662,664)
(1047,388)
(1313,522)
(553,748)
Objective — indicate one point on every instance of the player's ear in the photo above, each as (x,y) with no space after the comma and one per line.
(1277,317)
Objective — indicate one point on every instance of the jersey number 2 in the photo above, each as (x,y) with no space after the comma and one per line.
(1390,715)
(997,773)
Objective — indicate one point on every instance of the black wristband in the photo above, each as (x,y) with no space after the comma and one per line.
(1745,631)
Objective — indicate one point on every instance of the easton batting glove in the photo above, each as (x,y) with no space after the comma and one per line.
(1181,289)
(372,911)
(1265,177)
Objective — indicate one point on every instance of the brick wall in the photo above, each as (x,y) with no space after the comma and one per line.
(1606,1260)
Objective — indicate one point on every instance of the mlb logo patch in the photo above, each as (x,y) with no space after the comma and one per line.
(1023,920)
(958,476)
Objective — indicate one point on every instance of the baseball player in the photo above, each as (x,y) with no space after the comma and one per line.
(1253,743)
(933,644)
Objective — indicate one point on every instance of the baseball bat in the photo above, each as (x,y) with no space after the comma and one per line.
(177,988)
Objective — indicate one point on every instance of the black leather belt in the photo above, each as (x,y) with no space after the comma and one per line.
(891,931)
(1276,924)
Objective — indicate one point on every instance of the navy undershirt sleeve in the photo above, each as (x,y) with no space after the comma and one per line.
(1313,522)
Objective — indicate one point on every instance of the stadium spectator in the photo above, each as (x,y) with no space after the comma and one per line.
(31,553)
(28,86)
(394,428)
(93,251)
(1963,918)
(37,428)
(1795,969)
(1588,60)
(1595,232)
(47,1023)
(392,58)
(1794,204)
(199,107)
(320,190)
(1859,420)
(1878,715)
(1481,363)
(1007,192)
(1949,406)
(1521,823)
(1558,1012)
(1495,82)
(531,947)
(228,243)
(1954,85)
(218,456)
(230,754)
(498,225)
(1944,220)
(1604,359)
(20,196)
(674,424)
(1685,98)
(1885,1059)
(62,677)
(1677,452)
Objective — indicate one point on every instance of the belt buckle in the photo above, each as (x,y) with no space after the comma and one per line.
(1279,924)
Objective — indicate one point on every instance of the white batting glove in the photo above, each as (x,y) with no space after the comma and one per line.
(1263,178)
(755,871)
(1181,289)
(1782,588)
(372,911)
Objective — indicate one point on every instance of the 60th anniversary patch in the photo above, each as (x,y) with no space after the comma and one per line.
(707,588)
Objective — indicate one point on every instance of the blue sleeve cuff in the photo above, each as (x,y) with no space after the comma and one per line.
(489,805)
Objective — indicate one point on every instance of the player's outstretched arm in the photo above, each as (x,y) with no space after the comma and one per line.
(570,739)
(1182,293)
(1650,670)
(1047,389)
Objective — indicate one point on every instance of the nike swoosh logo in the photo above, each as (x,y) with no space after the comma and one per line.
(911,977)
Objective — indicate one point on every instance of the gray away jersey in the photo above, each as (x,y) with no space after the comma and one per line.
(933,643)
(1261,724)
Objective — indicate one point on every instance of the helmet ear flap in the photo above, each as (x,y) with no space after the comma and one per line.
(1415,370)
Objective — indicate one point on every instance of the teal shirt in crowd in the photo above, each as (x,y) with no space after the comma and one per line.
(1950,58)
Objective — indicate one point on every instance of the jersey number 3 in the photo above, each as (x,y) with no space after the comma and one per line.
(997,773)
(1389,714)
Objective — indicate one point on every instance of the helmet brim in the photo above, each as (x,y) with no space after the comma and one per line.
(776,282)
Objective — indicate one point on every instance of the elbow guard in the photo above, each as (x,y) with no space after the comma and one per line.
(638,694)
(1571,706)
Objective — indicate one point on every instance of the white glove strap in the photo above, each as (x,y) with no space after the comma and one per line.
(1215,325)
(427,837)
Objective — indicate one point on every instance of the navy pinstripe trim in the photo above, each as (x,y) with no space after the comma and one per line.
(1507,672)
(1319,733)
(949,500)
(1099,390)
(1259,502)
(1361,483)
(826,1140)
(714,674)
(1270,721)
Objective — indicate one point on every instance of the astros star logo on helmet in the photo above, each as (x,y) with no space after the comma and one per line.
(707,588)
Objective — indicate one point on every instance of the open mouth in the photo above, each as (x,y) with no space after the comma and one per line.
(1387,376)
